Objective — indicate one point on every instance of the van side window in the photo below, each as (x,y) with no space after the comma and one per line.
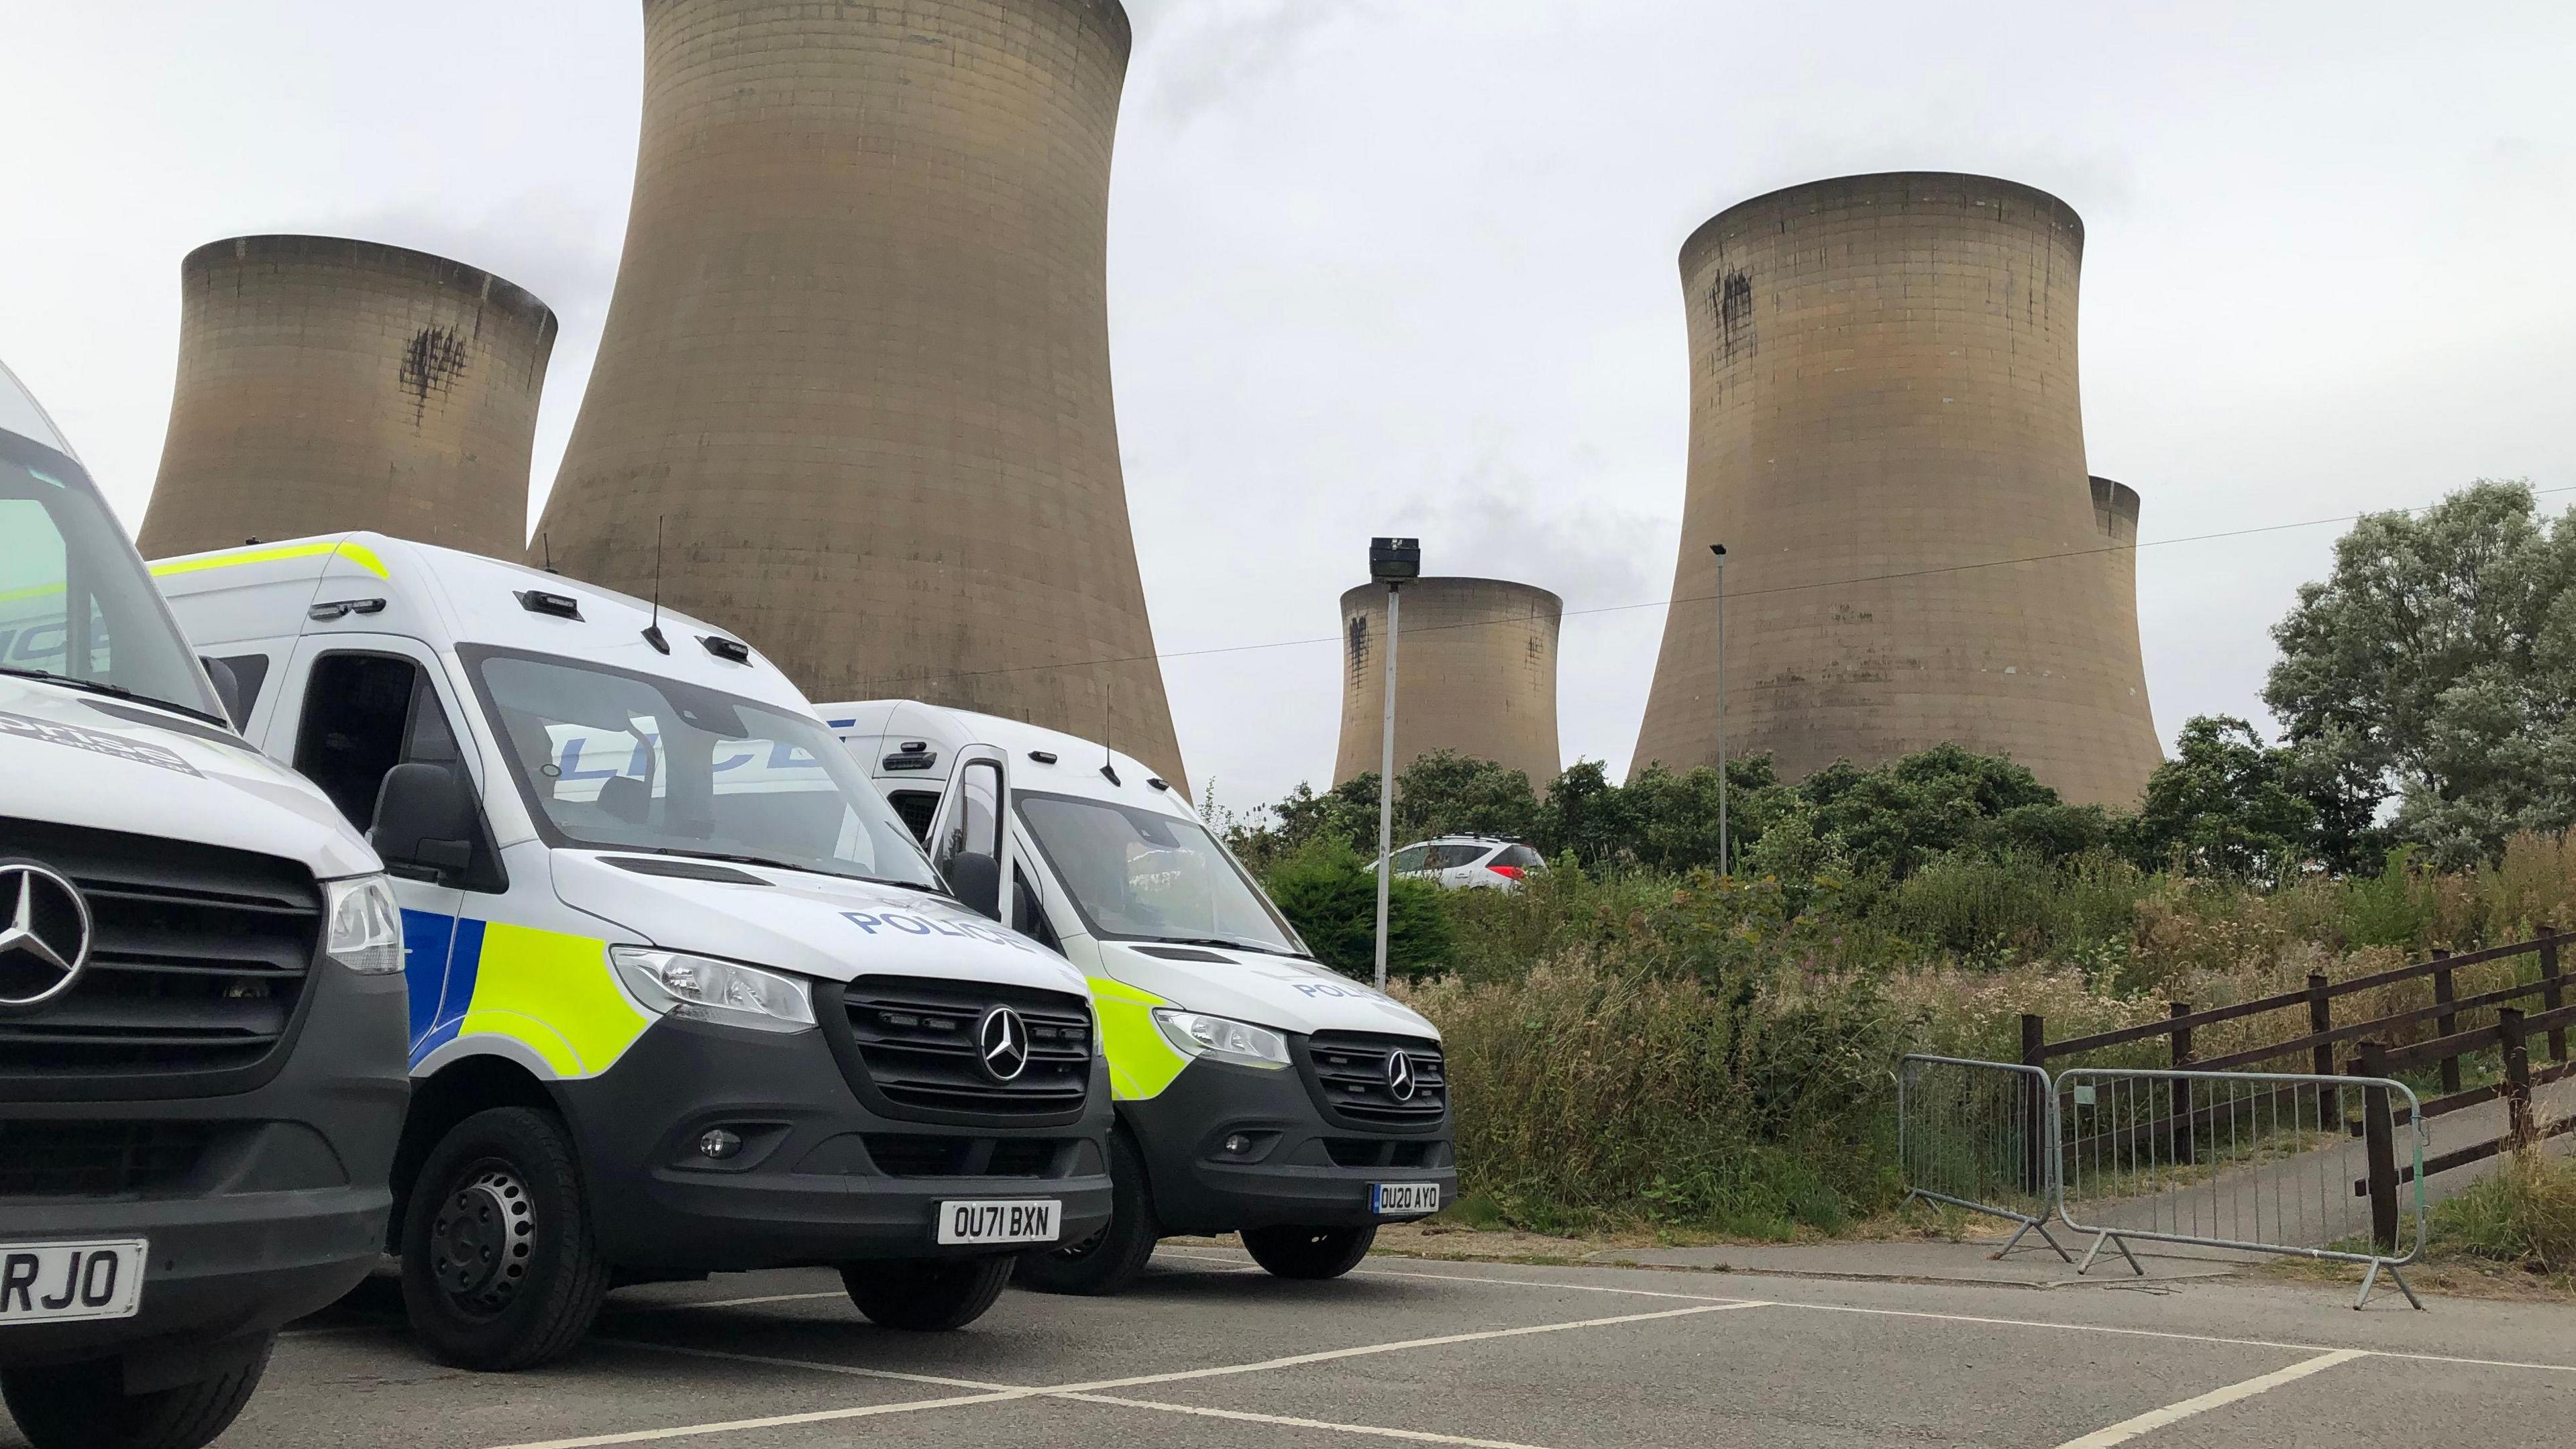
(250,671)
(917,808)
(1410,858)
(363,715)
(1028,917)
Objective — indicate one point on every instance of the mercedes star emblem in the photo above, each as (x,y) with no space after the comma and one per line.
(44,934)
(1003,1040)
(1399,1075)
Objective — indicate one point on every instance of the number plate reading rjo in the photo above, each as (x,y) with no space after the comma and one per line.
(1000,1222)
(1404,1197)
(53,1282)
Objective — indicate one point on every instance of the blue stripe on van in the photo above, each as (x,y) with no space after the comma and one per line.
(464,960)
(426,939)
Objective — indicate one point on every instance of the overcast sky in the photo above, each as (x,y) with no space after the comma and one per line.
(1409,266)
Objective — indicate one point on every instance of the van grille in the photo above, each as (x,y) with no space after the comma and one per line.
(900,1154)
(95,1159)
(1385,1152)
(197,966)
(915,1041)
(1347,1071)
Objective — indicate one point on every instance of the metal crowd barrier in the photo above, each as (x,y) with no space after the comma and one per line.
(2257,1162)
(2261,1162)
(1972,1134)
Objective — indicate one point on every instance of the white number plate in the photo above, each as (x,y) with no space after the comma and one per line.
(1019,1221)
(1404,1197)
(53,1282)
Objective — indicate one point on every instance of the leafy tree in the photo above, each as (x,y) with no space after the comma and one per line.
(2437,664)
(2227,803)
(1447,793)
(1328,891)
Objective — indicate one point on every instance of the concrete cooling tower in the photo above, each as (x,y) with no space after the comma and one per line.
(1475,672)
(857,360)
(327,384)
(1887,437)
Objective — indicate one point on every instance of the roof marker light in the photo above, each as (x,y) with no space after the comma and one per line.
(553,606)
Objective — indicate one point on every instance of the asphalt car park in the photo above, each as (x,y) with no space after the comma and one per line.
(1207,1350)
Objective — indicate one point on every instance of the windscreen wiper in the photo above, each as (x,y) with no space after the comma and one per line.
(1226,941)
(101,686)
(775,864)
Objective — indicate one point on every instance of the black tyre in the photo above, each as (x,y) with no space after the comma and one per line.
(926,1295)
(499,1268)
(1309,1252)
(1110,1259)
(85,1406)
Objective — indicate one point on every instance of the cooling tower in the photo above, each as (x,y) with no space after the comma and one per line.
(327,384)
(857,360)
(1887,437)
(1475,672)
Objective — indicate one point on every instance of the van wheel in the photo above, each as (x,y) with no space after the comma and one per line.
(499,1267)
(85,1406)
(926,1295)
(1309,1252)
(1108,1260)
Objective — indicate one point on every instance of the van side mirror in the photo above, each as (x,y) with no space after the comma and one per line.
(977,879)
(425,827)
(227,687)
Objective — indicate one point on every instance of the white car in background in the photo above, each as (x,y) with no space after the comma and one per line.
(1469,862)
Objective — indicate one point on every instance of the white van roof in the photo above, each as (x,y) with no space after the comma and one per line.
(446,597)
(20,413)
(878,730)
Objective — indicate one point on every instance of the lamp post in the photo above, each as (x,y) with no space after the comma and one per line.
(1725,864)
(1392,562)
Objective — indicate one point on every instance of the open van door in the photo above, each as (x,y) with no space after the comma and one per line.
(970,840)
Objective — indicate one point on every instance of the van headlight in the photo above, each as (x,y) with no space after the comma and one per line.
(1223,1038)
(366,925)
(702,988)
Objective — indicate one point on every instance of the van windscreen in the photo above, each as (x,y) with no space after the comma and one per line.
(612,759)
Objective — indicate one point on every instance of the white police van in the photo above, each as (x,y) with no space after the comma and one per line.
(1258,1091)
(685,996)
(201,1005)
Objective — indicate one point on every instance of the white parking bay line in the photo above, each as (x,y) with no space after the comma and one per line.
(776,1421)
(733,1302)
(1332,1355)
(810,1365)
(1095,1387)
(1418,1436)
(2128,1429)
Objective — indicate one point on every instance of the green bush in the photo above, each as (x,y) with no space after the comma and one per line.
(1329,893)
(2523,1214)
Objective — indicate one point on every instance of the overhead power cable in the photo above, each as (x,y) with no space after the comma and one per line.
(1732,596)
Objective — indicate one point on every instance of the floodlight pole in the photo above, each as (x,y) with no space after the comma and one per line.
(1725,861)
(1386,782)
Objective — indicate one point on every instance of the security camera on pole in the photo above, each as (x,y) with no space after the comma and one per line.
(1392,562)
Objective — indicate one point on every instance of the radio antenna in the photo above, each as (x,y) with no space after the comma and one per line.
(1108,763)
(653,631)
(546,541)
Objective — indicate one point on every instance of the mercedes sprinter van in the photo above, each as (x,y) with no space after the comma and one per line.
(1258,1091)
(685,996)
(201,1001)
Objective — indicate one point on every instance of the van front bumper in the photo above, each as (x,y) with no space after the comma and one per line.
(1300,1171)
(819,1178)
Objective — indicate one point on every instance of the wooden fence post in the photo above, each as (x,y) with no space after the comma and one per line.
(2182,1144)
(2444,993)
(2321,1056)
(2551,997)
(2517,1076)
(2379,1140)
(2035,1144)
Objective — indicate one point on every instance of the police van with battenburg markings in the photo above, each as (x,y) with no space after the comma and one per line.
(685,995)
(1258,1091)
(201,1005)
